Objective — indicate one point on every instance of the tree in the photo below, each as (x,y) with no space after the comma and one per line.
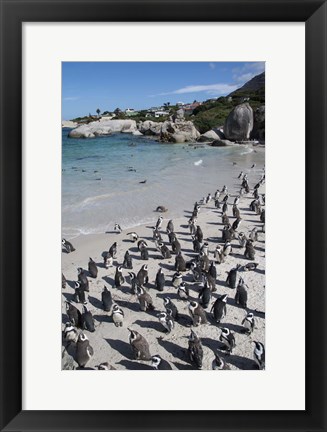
(117,111)
(98,112)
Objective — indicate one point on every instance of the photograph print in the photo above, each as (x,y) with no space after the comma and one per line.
(163,216)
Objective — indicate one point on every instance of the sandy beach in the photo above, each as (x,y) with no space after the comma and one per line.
(111,343)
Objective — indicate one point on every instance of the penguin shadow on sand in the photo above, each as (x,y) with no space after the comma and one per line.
(155,325)
(95,302)
(109,280)
(167,266)
(243,363)
(181,366)
(236,328)
(134,365)
(185,239)
(71,283)
(112,232)
(174,349)
(212,344)
(103,318)
(68,296)
(122,347)
(133,306)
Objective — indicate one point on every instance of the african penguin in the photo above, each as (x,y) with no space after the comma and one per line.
(139,345)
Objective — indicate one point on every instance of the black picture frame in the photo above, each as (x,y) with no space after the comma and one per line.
(13,14)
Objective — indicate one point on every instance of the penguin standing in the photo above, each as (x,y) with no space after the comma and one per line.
(177,279)
(74,315)
(79,296)
(199,234)
(205,296)
(236,224)
(249,250)
(139,345)
(241,296)
(159,364)
(236,212)
(167,321)
(225,207)
(196,244)
(204,262)
(219,308)
(180,265)
(67,246)
(159,222)
(82,278)
(106,299)
(183,292)
(144,253)
(87,320)
(119,278)
(165,252)
(170,226)
(259,355)
(93,269)
(176,246)
(232,277)
(197,272)
(228,339)
(171,308)
(117,228)
(242,239)
(224,219)
(142,275)
(113,250)
(134,282)
(156,235)
(107,260)
(128,264)
(205,248)
(84,351)
(146,301)
(213,271)
(160,280)
(195,350)
(197,313)
(219,363)
(141,244)
(63,281)
(227,249)
(117,315)
(254,235)
(171,237)
(70,333)
(211,281)
(219,255)
(248,323)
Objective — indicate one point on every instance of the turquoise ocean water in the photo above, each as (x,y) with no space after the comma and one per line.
(100,186)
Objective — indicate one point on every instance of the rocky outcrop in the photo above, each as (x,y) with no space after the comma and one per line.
(68,124)
(239,123)
(106,127)
(222,143)
(169,131)
(150,128)
(258,132)
(209,136)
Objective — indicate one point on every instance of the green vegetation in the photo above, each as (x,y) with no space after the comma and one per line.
(214,113)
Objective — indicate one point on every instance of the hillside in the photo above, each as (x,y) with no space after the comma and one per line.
(214,113)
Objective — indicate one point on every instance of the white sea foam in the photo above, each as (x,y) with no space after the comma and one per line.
(199,162)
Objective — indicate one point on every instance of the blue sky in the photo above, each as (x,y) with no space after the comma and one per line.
(87,86)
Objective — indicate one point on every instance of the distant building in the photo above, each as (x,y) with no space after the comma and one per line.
(130,112)
(161,113)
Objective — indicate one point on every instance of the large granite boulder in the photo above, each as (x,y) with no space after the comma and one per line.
(239,123)
(258,132)
(172,132)
(209,136)
(150,128)
(106,127)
